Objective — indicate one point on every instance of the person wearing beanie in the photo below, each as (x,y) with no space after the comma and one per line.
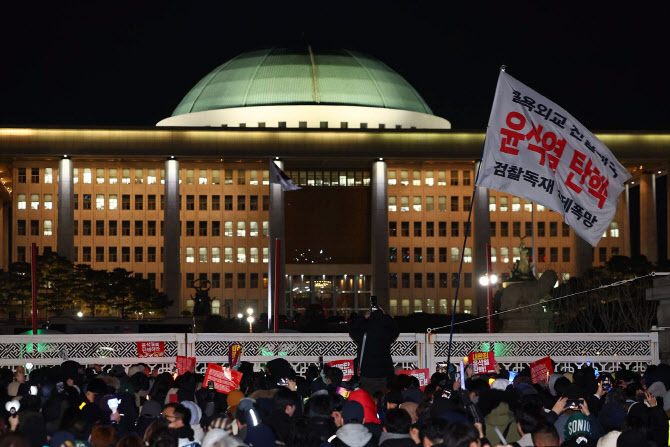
(578,431)
(352,413)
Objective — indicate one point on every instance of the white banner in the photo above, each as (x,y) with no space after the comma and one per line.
(536,150)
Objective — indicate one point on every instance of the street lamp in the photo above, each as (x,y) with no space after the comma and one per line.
(250,320)
(239,319)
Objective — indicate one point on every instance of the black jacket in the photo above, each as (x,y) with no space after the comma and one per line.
(382,331)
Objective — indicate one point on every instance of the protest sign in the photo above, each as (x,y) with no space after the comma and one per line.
(150,349)
(224,379)
(541,370)
(347,367)
(185,364)
(482,362)
(422,374)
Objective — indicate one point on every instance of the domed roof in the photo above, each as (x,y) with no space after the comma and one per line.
(281,76)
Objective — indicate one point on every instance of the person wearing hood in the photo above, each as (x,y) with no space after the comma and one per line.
(150,411)
(196,414)
(396,429)
(284,404)
(179,418)
(370,417)
(319,412)
(351,435)
(498,417)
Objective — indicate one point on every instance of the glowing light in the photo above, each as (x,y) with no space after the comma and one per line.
(250,319)
(250,311)
(240,316)
(80,314)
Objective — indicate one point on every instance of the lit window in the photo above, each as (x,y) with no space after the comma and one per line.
(417,203)
(404,178)
(540,207)
(87,175)
(404,203)
(442,203)
(393,203)
(391,179)
(614,229)
(216,255)
(34,201)
(241,255)
(139,177)
(216,176)
(565,277)
(430,203)
(494,258)
(266,228)
(100,202)
(467,254)
(48,175)
(47,228)
(516,204)
(100,176)
(516,255)
(441,178)
(151,177)
(162,176)
(228,180)
(228,228)
(48,201)
(21,201)
(455,254)
(504,254)
(202,254)
(265,255)
(429,178)
(202,176)
(492,204)
(228,254)
(253,229)
(75,175)
(113,201)
(266,177)
(253,255)
(190,254)
(527,205)
(416,178)
(503,204)
(125,176)
(241,229)
(253,177)
(113,176)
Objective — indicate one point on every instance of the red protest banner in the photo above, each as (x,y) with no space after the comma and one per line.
(185,364)
(541,370)
(482,362)
(225,379)
(422,374)
(347,367)
(150,349)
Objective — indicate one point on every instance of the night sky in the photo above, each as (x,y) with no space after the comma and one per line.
(119,64)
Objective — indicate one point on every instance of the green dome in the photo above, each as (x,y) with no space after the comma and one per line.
(281,76)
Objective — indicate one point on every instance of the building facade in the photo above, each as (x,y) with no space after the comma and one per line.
(383,209)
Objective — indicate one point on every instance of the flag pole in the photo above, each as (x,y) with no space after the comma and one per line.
(460,268)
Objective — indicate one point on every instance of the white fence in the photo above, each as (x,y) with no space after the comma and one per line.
(606,351)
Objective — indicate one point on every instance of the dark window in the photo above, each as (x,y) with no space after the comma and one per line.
(602,254)
(565,229)
(405,281)
(442,254)
(139,254)
(454,203)
(454,280)
(216,228)
(241,281)
(393,229)
(241,203)
(529,229)
(504,229)
(430,280)
(21,227)
(125,254)
(553,229)
(35,227)
(162,202)
(34,175)
(151,202)
(566,254)
(151,254)
(86,205)
(418,280)
(202,228)
(112,228)
(541,229)
(21,252)
(99,227)
(516,229)
(541,254)
(418,256)
(228,203)
(430,229)
(553,254)
(454,229)
(417,229)
(393,280)
(22,179)
(190,279)
(216,280)
(190,202)
(253,280)
(99,254)
(216,203)
(253,203)
(76,201)
(405,254)
(125,202)
(190,228)
(492,229)
(86,254)
(76,228)
(404,229)
(228,280)
(139,228)
(86,228)
(467,280)
(430,254)
(151,228)
(112,257)
(125,228)
(443,280)
(202,202)
(466,203)
(442,229)
(393,254)
(139,202)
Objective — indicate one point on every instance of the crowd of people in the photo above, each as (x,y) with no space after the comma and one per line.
(71,405)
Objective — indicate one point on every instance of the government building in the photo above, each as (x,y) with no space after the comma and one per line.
(386,190)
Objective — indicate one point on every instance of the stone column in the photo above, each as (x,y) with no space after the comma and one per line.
(379,234)
(481,228)
(648,231)
(276,232)
(5,230)
(171,238)
(65,228)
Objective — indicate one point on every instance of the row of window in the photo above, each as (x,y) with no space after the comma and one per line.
(429,178)
(516,204)
(330,178)
(111,202)
(241,253)
(430,254)
(463,305)
(443,280)
(150,176)
(241,283)
(417,205)
(430,229)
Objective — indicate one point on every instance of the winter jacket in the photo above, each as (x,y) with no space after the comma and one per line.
(381,330)
(503,418)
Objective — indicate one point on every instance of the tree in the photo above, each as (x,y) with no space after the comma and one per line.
(15,286)
(56,280)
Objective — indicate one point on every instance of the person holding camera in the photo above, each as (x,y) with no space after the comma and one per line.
(374,335)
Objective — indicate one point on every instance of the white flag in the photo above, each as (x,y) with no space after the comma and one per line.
(536,150)
(279,177)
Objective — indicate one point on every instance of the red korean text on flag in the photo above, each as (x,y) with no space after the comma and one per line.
(224,379)
(150,349)
(482,362)
(423,375)
(541,370)
(185,364)
(347,367)
(536,150)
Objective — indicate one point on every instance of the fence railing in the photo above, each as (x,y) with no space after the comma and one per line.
(515,351)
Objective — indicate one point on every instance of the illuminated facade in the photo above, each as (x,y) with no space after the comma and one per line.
(386,192)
